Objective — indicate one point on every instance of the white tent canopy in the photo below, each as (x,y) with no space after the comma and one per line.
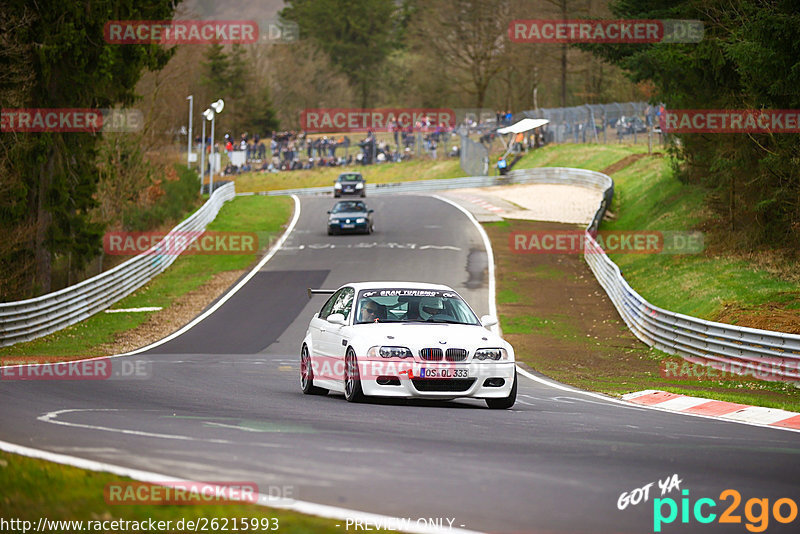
(522,126)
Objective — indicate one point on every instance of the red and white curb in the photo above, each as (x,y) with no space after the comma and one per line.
(488,206)
(730,411)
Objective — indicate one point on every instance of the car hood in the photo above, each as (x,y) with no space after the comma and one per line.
(350,214)
(421,335)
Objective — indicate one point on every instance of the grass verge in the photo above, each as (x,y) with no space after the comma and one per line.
(263,215)
(34,488)
(384,173)
(562,323)
(554,311)
(710,284)
(591,157)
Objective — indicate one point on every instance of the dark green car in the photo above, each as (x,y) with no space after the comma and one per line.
(350,216)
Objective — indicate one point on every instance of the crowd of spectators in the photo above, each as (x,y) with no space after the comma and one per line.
(294,150)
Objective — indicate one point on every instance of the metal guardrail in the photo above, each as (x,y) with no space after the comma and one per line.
(28,319)
(763,353)
(719,345)
(544,175)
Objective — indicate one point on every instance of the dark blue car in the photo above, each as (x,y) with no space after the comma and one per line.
(350,216)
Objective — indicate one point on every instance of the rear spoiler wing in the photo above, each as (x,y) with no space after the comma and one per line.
(312,292)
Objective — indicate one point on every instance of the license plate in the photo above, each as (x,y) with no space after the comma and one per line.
(433,372)
(348,226)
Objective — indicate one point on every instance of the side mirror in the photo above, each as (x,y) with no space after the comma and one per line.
(370,211)
(488,320)
(337,318)
(329,212)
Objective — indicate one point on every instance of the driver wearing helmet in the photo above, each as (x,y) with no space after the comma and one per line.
(431,306)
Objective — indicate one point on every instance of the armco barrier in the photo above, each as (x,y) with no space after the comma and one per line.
(28,319)
(764,353)
(544,175)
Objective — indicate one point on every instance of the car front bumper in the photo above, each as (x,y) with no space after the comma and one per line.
(348,227)
(373,373)
(349,190)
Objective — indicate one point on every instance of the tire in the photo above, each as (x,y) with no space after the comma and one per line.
(352,378)
(330,232)
(307,375)
(507,402)
(363,194)
(337,195)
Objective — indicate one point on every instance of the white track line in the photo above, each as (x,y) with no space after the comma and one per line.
(487,244)
(321,510)
(277,246)
(310,508)
(235,289)
(555,385)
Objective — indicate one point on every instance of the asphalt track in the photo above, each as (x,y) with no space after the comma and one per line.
(224,404)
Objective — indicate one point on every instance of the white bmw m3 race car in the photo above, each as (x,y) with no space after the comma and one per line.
(404,339)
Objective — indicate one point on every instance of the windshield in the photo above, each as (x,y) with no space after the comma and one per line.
(341,207)
(412,306)
(350,178)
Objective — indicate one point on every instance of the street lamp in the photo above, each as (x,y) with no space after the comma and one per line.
(203,156)
(210,115)
(190,98)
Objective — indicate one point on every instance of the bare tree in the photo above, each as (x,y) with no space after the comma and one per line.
(469,35)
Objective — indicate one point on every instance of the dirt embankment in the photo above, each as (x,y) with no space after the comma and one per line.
(562,323)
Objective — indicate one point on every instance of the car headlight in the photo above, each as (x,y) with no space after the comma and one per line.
(337,185)
(390,352)
(361,220)
(359,185)
(491,354)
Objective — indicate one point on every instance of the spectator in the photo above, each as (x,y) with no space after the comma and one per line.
(502,166)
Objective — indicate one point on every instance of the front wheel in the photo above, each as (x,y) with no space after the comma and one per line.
(307,375)
(352,378)
(507,402)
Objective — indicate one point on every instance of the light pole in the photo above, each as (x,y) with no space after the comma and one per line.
(211,115)
(190,98)
(203,157)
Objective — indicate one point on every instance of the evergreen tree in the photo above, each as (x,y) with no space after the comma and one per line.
(69,65)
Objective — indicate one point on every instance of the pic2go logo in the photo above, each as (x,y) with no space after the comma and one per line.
(756,511)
